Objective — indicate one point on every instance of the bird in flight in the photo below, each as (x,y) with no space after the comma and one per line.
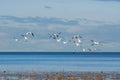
(25,38)
(55,36)
(30,33)
(95,42)
(77,40)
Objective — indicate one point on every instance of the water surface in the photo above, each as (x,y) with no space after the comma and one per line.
(57,61)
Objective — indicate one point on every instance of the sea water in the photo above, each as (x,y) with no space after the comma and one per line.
(58,61)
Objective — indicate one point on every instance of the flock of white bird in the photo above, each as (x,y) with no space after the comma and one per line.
(77,40)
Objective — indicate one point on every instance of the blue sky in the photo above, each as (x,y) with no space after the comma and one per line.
(93,19)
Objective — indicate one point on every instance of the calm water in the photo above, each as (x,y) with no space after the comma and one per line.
(57,61)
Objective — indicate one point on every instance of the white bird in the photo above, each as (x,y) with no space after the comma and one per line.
(77,44)
(65,42)
(83,49)
(16,39)
(59,40)
(86,49)
(62,40)
(54,36)
(77,39)
(30,33)
(95,43)
(25,38)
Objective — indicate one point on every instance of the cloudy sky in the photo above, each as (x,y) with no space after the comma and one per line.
(92,19)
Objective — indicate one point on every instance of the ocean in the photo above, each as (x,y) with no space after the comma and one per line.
(58,61)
